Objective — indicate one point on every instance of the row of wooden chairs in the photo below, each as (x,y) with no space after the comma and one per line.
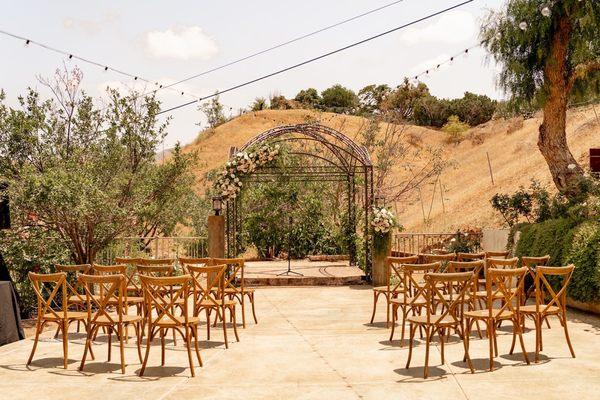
(420,289)
(204,283)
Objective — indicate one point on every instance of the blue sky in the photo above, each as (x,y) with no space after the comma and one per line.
(167,41)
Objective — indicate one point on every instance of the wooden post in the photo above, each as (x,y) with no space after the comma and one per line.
(490,166)
(216,236)
(382,249)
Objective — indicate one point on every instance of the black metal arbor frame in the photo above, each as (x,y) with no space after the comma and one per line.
(330,157)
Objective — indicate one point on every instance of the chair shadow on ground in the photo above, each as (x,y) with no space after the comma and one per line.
(414,374)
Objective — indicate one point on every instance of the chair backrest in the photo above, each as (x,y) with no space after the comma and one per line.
(109,269)
(502,263)
(394,271)
(129,260)
(534,261)
(112,287)
(235,271)
(469,256)
(507,284)
(56,284)
(452,303)
(208,283)
(476,267)
(413,280)
(154,270)
(497,254)
(442,258)
(558,298)
(73,285)
(157,261)
(154,299)
(185,261)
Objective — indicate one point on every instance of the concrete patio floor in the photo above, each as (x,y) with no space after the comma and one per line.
(312,343)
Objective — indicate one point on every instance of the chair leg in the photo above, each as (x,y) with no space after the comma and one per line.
(232,312)
(65,336)
(38,328)
(394,326)
(162,347)
(195,333)
(564,324)
(375,296)
(466,338)
(252,303)
(441,334)
(138,328)
(412,330)
(188,345)
(517,327)
(224,328)
(490,323)
(109,329)
(148,342)
(121,347)
(427,339)
(243,304)
(402,327)
(88,344)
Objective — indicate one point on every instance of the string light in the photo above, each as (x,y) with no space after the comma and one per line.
(71,56)
(523,26)
(546,11)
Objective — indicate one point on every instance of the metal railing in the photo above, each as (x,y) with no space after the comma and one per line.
(154,247)
(419,243)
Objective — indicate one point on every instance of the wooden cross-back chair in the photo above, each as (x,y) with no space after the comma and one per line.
(53,307)
(442,258)
(157,261)
(505,285)
(469,256)
(475,267)
(413,297)
(550,301)
(99,305)
(209,296)
(499,263)
(76,294)
(120,269)
(497,254)
(183,261)
(133,285)
(532,263)
(160,315)
(235,287)
(439,319)
(393,286)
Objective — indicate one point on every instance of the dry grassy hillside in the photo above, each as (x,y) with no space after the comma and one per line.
(466,186)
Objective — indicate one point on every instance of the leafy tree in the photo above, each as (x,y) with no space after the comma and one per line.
(213,110)
(279,102)
(473,109)
(85,175)
(455,129)
(260,103)
(308,98)
(431,111)
(339,99)
(548,51)
(371,97)
(401,101)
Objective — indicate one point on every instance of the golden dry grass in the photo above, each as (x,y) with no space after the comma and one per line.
(467,186)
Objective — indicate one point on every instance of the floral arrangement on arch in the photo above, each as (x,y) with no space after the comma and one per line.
(383,220)
(243,163)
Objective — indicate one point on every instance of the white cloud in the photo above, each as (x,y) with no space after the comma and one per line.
(183,43)
(453,27)
(90,26)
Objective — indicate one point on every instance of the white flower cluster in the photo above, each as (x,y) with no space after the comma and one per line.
(383,220)
(229,184)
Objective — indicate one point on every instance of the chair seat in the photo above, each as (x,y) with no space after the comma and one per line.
(133,288)
(209,303)
(103,319)
(231,290)
(543,307)
(169,322)
(71,315)
(398,300)
(416,301)
(74,299)
(482,314)
(433,319)
(484,294)
(130,300)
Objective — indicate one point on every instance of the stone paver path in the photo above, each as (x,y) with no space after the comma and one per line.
(312,343)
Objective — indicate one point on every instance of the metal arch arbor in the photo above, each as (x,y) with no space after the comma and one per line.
(334,158)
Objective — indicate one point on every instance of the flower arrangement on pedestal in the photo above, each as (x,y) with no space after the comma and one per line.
(382,223)
(229,183)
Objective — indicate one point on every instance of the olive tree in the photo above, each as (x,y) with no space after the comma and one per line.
(548,50)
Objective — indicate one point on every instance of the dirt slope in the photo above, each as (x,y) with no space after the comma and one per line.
(466,186)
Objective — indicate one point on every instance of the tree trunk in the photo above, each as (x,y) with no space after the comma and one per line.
(552,140)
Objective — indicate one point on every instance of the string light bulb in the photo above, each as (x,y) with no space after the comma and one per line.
(523,26)
(105,69)
(27,42)
(546,11)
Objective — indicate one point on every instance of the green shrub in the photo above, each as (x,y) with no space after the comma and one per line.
(553,237)
(585,254)
(455,129)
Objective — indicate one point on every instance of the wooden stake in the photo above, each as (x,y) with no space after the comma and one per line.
(490,166)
